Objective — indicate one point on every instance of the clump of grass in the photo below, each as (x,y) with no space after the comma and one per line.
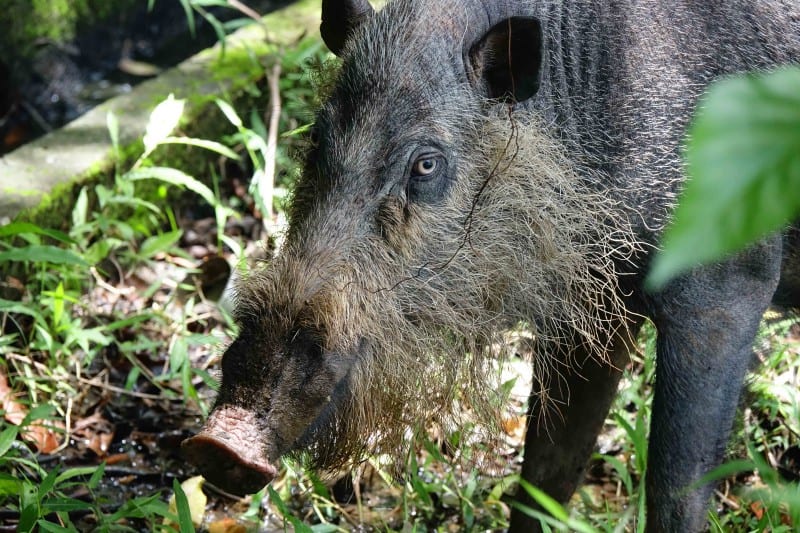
(56,338)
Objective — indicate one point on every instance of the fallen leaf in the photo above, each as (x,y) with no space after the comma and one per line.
(757,509)
(43,437)
(226,525)
(514,426)
(14,411)
(95,433)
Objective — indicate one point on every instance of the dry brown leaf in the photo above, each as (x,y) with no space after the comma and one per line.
(226,525)
(14,411)
(757,509)
(95,433)
(514,426)
(44,436)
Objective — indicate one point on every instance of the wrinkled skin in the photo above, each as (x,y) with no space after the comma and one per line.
(431,217)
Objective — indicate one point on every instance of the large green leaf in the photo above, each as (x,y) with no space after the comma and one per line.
(163,120)
(42,254)
(174,177)
(184,513)
(212,146)
(18,228)
(743,161)
(159,243)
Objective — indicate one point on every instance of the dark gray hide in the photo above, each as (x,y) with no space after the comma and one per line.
(615,83)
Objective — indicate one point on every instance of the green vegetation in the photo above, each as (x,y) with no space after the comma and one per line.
(58,339)
(111,317)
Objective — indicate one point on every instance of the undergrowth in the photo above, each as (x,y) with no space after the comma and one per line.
(64,354)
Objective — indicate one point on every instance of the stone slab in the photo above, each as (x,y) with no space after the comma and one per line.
(82,149)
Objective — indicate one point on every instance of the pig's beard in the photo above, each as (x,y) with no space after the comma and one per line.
(537,252)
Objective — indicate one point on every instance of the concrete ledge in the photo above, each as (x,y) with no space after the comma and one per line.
(33,176)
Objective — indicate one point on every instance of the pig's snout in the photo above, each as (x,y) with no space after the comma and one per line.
(227,453)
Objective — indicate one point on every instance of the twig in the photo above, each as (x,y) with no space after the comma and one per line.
(67,429)
(246,10)
(726,500)
(120,390)
(267,181)
(108,287)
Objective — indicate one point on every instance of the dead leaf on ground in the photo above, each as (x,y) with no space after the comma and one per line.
(515,427)
(42,434)
(757,509)
(226,525)
(95,433)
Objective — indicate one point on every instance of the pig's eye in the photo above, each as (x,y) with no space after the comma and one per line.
(424,166)
(427,175)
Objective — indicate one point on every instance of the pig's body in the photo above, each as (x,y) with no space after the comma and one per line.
(430,219)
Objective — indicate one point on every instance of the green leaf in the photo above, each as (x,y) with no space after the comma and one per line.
(548,504)
(86,337)
(43,411)
(219,30)
(743,162)
(112,123)
(43,254)
(50,527)
(81,208)
(184,513)
(19,228)
(276,500)
(9,485)
(141,507)
(163,120)
(98,251)
(298,131)
(731,468)
(27,517)
(97,476)
(209,380)
(7,438)
(54,505)
(212,146)
(554,508)
(502,486)
(58,304)
(133,202)
(159,243)
(187,8)
(230,113)
(189,390)
(49,481)
(173,177)
(622,470)
(81,471)
(178,355)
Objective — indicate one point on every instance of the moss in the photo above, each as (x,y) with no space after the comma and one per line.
(25,23)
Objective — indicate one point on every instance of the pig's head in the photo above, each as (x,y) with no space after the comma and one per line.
(427,221)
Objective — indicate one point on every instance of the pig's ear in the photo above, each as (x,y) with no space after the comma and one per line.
(506,62)
(339,19)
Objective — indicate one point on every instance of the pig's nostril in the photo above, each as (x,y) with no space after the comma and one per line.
(231,470)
